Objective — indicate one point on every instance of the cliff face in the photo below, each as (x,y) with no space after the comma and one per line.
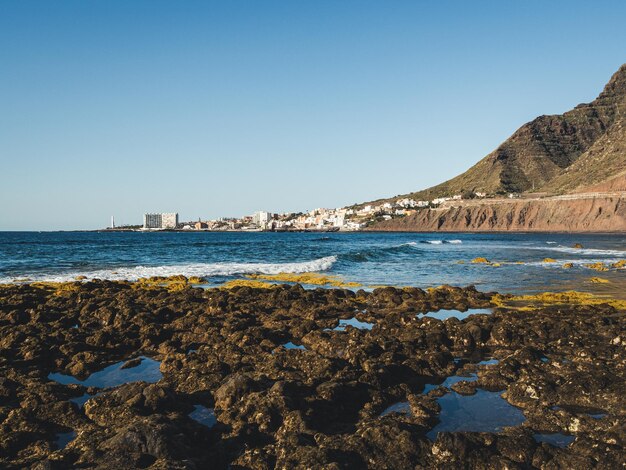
(604,214)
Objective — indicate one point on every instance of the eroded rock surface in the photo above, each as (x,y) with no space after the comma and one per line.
(319,407)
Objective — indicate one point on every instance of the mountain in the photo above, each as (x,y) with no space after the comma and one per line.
(554,154)
(600,168)
(568,170)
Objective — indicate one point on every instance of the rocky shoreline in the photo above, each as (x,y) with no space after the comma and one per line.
(591,215)
(292,378)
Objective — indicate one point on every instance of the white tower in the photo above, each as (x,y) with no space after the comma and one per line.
(112,221)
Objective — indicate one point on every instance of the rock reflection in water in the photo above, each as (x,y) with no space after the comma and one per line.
(291,345)
(458,378)
(594,413)
(64,438)
(482,412)
(361,325)
(203,415)
(112,376)
(556,439)
(445,314)
(401,407)
(80,401)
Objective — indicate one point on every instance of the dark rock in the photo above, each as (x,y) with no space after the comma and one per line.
(318,407)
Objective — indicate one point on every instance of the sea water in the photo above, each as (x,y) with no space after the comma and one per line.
(372,259)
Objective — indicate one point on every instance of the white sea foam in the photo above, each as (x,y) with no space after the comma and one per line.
(575,262)
(565,249)
(455,242)
(588,251)
(199,269)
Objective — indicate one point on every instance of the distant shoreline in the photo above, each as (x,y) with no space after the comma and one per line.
(372,231)
(366,230)
(326,230)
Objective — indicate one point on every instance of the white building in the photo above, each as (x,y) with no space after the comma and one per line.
(440,200)
(160,220)
(353,225)
(406,202)
(339,219)
(261,218)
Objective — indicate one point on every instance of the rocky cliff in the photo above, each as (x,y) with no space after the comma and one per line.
(555,154)
(580,151)
(589,214)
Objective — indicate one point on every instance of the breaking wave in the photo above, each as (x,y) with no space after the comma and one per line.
(199,269)
(380,252)
(442,242)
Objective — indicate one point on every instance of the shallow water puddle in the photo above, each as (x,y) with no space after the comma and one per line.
(556,439)
(361,325)
(204,416)
(401,407)
(450,381)
(291,345)
(80,401)
(64,438)
(488,362)
(112,376)
(482,412)
(594,413)
(445,314)
(458,378)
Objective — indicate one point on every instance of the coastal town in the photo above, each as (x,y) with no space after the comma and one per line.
(351,218)
(356,217)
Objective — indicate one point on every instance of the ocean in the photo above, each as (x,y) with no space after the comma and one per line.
(399,259)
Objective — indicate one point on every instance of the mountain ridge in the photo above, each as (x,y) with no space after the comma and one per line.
(554,154)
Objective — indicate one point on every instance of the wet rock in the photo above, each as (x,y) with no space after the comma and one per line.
(318,407)
(464,387)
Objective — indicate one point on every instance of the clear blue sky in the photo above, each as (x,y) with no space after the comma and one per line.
(222,108)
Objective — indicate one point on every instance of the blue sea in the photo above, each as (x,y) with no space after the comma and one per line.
(373,259)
